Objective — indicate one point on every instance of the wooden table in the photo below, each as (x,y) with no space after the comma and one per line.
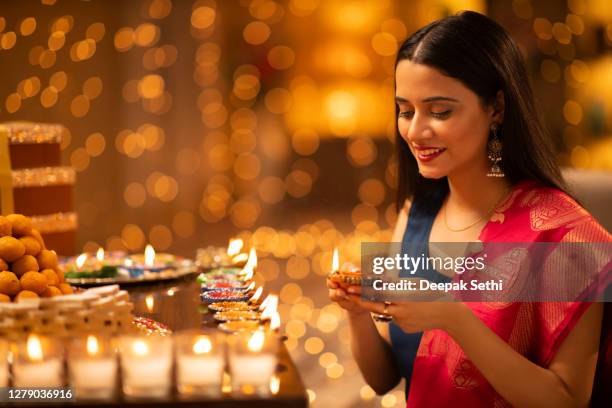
(176,304)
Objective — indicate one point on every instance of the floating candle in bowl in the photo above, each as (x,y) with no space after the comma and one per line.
(38,363)
(93,367)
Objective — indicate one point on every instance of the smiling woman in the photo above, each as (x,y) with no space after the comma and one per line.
(475,164)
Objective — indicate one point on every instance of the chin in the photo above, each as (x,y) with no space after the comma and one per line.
(432,173)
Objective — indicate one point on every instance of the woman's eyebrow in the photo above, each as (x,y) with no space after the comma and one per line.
(399,99)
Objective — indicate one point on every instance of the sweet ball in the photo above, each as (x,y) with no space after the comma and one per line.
(21,224)
(11,249)
(9,283)
(34,281)
(24,264)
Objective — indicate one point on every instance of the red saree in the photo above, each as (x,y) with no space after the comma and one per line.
(443,375)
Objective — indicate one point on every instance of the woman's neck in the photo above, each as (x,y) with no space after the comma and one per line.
(471,191)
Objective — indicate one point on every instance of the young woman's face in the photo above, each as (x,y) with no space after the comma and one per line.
(442,121)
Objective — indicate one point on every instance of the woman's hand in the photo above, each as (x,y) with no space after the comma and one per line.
(413,317)
(338,294)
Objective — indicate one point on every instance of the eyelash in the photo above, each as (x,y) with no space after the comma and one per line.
(437,115)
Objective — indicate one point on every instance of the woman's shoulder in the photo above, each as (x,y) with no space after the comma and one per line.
(535,212)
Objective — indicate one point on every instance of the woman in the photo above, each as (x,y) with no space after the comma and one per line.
(475,165)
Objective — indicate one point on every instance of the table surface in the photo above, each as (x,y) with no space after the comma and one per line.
(177,304)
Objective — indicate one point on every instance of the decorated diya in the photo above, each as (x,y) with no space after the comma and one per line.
(225,284)
(220,274)
(235,326)
(223,306)
(232,315)
(226,295)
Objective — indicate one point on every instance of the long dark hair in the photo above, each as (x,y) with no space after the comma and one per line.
(477,51)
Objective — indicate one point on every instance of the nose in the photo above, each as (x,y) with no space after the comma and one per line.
(417,129)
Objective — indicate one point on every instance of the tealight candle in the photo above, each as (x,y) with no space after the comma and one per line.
(252,361)
(199,364)
(93,368)
(37,363)
(146,363)
(3,363)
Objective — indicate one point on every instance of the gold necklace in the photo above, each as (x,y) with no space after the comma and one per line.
(487,214)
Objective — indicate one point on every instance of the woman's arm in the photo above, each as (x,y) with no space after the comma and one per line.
(567,382)
(370,343)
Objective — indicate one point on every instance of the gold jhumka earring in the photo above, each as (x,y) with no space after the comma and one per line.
(494,153)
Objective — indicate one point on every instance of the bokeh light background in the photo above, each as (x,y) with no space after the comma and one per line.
(191,122)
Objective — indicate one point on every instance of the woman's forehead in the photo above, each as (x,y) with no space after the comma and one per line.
(415,82)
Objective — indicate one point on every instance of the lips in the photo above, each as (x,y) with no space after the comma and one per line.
(425,154)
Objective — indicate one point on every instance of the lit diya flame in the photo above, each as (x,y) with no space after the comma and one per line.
(80,261)
(256,295)
(256,341)
(335,261)
(92,345)
(149,255)
(234,247)
(270,308)
(202,346)
(100,254)
(264,303)
(247,274)
(275,321)
(252,261)
(34,348)
(250,287)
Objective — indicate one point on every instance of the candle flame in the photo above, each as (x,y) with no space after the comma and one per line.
(275,321)
(149,255)
(274,384)
(34,348)
(80,261)
(202,345)
(264,303)
(247,274)
(270,308)
(256,295)
(335,260)
(100,254)
(250,287)
(150,302)
(252,261)
(256,341)
(240,258)
(92,345)
(234,246)
(140,347)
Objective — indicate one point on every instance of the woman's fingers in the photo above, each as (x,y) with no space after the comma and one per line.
(354,289)
(375,307)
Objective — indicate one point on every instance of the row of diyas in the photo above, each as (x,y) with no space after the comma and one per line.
(235,299)
(206,364)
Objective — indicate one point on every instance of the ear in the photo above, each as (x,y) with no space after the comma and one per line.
(497,108)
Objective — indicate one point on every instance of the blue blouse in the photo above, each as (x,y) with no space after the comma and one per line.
(415,243)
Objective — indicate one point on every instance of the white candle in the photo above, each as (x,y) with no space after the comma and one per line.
(252,369)
(47,373)
(146,364)
(199,370)
(93,377)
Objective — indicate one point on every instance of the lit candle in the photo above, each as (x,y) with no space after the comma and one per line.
(38,364)
(199,364)
(138,265)
(146,363)
(93,368)
(253,361)
(335,261)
